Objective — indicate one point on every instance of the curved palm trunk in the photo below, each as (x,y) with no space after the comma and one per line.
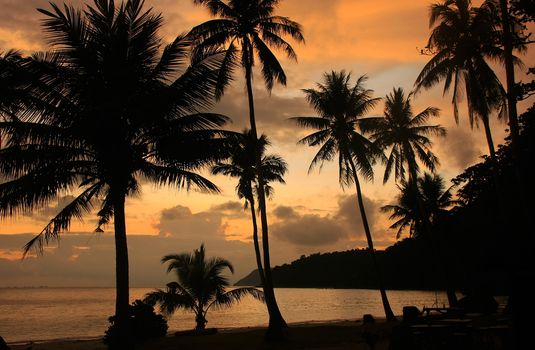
(277,324)
(386,305)
(122,299)
(256,244)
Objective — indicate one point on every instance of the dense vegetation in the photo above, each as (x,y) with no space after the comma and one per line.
(479,253)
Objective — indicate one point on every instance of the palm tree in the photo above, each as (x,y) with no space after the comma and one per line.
(458,44)
(199,287)
(242,165)
(420,209)
(341,107)
(406,134)
(251,27)
(101,112)
(436,202)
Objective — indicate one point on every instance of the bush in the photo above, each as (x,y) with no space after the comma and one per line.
(142,324)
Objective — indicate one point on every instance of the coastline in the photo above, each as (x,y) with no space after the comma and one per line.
(335,334)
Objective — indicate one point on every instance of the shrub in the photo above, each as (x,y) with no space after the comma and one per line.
(143,324)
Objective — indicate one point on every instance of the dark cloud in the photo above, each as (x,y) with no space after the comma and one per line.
(345,226)
(284,213)
(181,221)
(348,213)
(309,230)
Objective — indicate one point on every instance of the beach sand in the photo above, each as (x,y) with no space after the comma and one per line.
(337,335)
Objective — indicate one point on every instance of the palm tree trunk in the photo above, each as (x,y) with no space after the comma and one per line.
(386,305)
(122,299)
(277,324)
(450,290)
(510,76)
(256,245)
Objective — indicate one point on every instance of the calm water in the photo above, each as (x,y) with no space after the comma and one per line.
(52,313)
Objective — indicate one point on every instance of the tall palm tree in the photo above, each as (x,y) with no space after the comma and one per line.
(457,43)
(242,165)
(251,28)
(199,286)
(436,202)
(102,111)
(406,134)
(340,107)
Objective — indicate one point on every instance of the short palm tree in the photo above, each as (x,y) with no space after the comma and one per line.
(242,165)
(420,210)
(407,136)
(436,201)
(199,286)
(104,110)
(251,28)
(341,107)
(458,44)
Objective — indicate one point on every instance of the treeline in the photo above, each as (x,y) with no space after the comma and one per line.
(478,245)
(408,265)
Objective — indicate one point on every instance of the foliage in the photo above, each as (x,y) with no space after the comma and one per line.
(199,286)
(143,324)
(341,108)
(95,120)
(407,135)
(459,43)
(241,164)
(251,27)
(436,201)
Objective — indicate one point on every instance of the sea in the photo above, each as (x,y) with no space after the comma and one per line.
(40,314)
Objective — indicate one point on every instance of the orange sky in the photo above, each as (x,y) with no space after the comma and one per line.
(380,38)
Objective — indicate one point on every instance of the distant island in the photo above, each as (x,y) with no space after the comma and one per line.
(407,265)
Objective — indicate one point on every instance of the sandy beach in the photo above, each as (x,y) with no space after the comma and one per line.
(337,335)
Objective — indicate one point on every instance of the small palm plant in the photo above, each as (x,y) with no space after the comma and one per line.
(199,286)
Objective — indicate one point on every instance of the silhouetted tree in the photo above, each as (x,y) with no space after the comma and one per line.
(341,107)
(103,110)
(199,287)
(406,134)
(251,27)
(242,165)
(458,44)
(436,201)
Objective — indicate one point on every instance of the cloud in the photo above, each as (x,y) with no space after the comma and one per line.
(467,151)
(89,260)
(284,212)
(180,221)
(310,230)
(344,227)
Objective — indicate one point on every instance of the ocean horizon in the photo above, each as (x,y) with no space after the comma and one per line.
(49,313)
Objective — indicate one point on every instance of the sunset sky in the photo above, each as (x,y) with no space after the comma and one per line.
(309,214)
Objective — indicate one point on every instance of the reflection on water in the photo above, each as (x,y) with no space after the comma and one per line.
(51,313)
